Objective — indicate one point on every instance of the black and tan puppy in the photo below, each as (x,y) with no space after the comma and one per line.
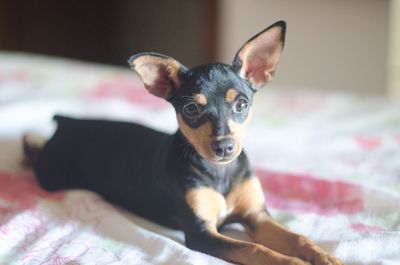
(199,178)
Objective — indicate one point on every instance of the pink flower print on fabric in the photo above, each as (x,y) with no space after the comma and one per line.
(16,75)
(22,230)
(364,228)
(368,142)
(397,137)
(88,208)
(21,192)
(302,193)
(126,88)
(73,252)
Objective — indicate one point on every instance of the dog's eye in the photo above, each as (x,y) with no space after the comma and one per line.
(240,105)
(193,109)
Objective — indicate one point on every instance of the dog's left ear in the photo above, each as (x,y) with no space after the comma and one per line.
(160,74)
(257,59)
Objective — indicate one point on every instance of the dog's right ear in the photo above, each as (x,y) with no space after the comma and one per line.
(160,74)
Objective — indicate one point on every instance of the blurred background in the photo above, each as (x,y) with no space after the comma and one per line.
(350,45)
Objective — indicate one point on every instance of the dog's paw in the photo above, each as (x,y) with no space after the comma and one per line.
(295,261)
(322,258)
(312,253)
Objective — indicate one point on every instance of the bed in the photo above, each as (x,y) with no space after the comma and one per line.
(329,163)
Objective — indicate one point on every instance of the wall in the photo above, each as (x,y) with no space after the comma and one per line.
(393,70)
(177,28)
(339,44)
(110,31)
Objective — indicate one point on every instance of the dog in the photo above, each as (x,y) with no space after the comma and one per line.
(199,178)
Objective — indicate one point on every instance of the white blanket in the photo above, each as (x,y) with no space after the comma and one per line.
(329,163)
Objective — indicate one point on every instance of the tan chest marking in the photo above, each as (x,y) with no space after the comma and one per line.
(209,205)
(246,198)
(214,208)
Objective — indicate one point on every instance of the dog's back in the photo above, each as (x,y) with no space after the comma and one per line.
(116,159)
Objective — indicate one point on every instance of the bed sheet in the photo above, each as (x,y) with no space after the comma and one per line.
(329,163)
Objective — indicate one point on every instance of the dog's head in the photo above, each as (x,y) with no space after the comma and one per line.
(213,101)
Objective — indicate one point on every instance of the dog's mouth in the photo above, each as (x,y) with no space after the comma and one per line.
(222,160)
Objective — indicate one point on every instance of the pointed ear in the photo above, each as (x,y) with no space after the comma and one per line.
(160,74)
(257,59)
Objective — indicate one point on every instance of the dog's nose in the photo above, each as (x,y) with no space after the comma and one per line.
(223,148)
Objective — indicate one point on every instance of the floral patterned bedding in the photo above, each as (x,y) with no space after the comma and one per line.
(329,163)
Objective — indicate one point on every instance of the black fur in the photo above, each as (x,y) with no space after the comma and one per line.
(149,172)
(143,170)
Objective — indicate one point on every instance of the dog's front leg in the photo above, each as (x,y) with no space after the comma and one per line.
(249,204)
(264,230)
(236,251)
(206,207)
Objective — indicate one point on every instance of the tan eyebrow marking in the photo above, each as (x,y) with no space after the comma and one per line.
(231,95)
(200,99)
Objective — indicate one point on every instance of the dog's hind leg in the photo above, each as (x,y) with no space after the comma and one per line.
(32,144)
